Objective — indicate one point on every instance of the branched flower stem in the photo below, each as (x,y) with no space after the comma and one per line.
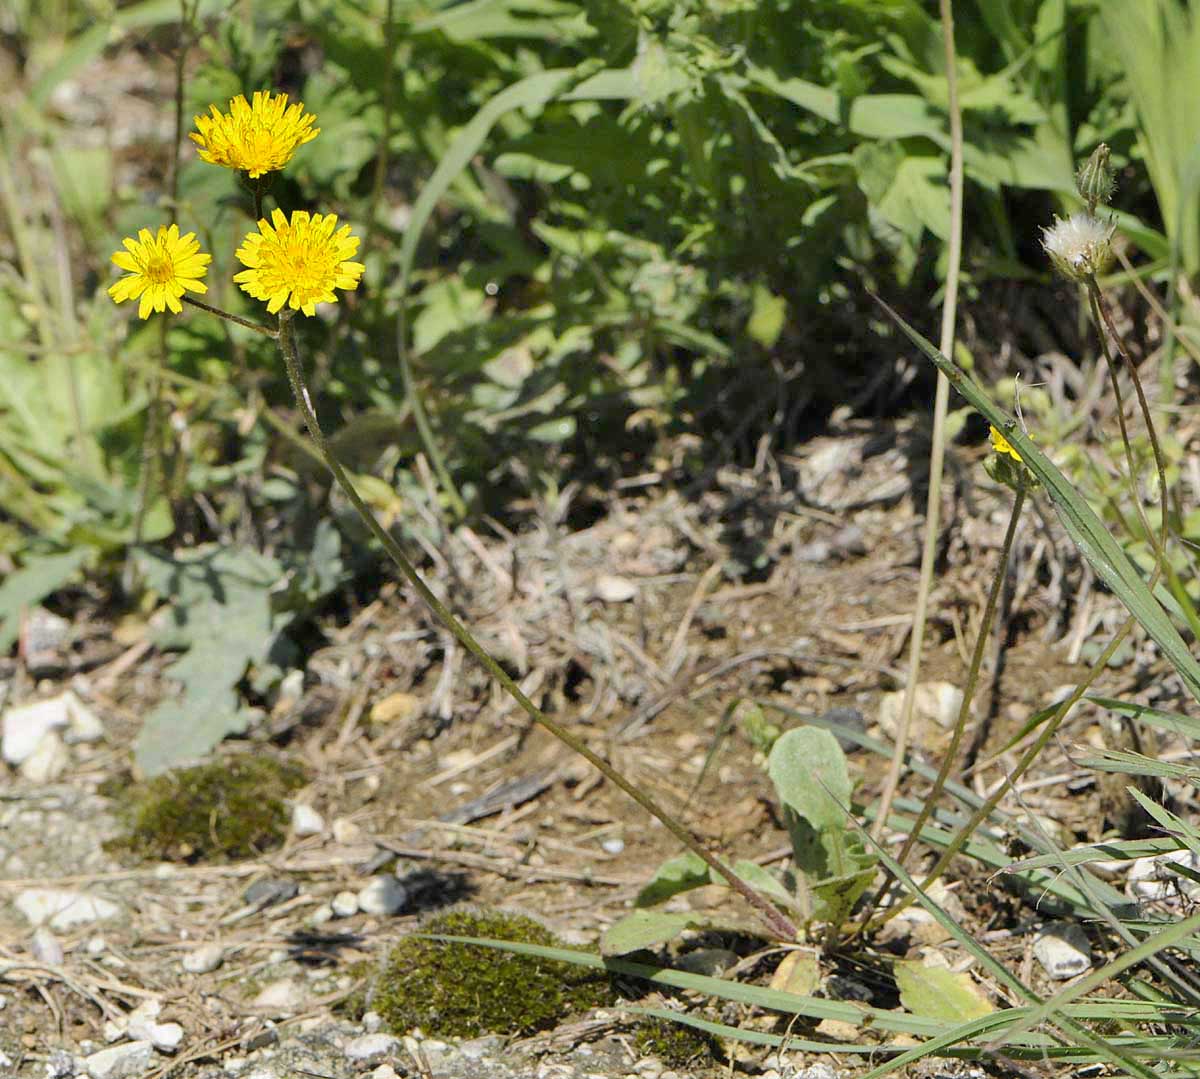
(257,327)
(776,921)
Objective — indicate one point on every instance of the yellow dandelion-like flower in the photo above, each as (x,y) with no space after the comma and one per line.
(254,138)
(160,269)
(1001,445)
(298,262)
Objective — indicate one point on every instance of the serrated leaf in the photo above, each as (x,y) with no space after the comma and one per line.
(938,993)
(221,613)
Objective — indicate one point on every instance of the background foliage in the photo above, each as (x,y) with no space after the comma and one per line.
(603,237)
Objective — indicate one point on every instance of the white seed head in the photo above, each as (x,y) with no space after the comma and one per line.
(1080,247)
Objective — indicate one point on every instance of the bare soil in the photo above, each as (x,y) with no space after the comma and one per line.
(791,586)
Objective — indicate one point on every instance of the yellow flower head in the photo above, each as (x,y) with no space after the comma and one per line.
(1001,445)
(254,138)
(298,262)
(160,269)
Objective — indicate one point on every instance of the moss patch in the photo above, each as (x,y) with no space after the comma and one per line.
(675,1044)
(232,808)
(464,991)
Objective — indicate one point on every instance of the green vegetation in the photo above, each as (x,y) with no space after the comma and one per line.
(462,990)
(603,237)
(676,1045)
(231,808)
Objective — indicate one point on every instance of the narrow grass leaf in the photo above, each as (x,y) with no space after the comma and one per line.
(1094,541)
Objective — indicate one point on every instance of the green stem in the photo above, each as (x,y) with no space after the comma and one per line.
(422,418)
(1031,754)
(774,918)
(257,327)
(964,711)
(1103,319)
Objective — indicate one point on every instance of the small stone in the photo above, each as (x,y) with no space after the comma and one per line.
(372,1022)
(166,1037)
(260,1039)
(478,1048)
(370,1048)
(384,895)
(396,708)
(649,1068)
(63,909)
(346,831)
(1155,879)
(613,845)
(269,891)
(121,1061)
(709,961)
(384,1071)
(306,820)
(344,905)
(935,709)
(83,725)
(143,1025)
(205,958)
(48,761)
(283,997)
(45,948)
(1063,950)
(613,589)
(321,915)
(60,1064)
(96,946)
(25,725)
(44,642)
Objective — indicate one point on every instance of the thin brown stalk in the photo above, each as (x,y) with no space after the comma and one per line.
(940,406)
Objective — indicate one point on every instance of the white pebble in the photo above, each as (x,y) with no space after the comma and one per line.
(372,1022)
(344,905)
(384,1071)
(613,589)
(283,997)
(62,909)
(384,895)
(1063,950)
(613,845)
(306,820)
(368,1048)
(45,947)
(205,958)
(121,1061)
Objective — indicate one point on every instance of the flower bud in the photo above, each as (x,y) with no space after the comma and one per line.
(1005,466)
(1095,180)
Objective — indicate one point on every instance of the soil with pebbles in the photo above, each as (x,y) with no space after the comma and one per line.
(638,632)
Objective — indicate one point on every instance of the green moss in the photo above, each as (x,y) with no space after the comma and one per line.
(231,808)
(675,1044)
(354,1006)
(464,991)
